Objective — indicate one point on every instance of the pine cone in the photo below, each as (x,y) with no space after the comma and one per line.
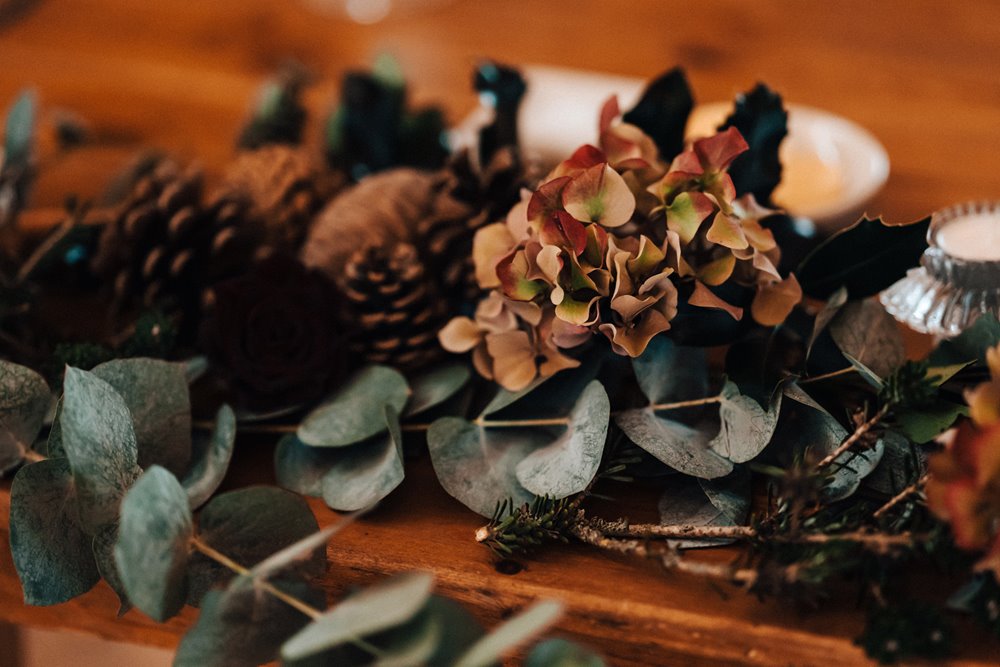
(286,185)
(397,310)
(166,246)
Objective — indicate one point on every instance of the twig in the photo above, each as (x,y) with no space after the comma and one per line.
(901,496)
(859,433)
(827,376)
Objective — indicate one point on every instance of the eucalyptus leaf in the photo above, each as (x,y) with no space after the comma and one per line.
(902,464)
(865,258)
(300,468)
(870,335)
(24,401)
(568,464)
(241,625)
(212,459)
(562,653)
(363,474)
(435,386)
(830,309)
(19,130)
(517,630)
(248,525)
(546,396)
(666,372)
(477,466)
(683,448)
(100,446)
(156,393)
(746,428)
(51,552)
(355,412)
(53,444)
(153,542)
(867,374)
(303,551)
(103,546)
(380,607)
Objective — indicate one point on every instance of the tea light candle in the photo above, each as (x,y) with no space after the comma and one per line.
(973,236)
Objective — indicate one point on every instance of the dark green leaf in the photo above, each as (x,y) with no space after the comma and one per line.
(380,607)
(20,130)
(356,411)
(866,258)
(24,400)
(514,632)
(761,118)
(662,112)
(153,543)
(212,459)
(156,393)
(970,345)
(361,475)
(433,387)
(681,447)
(303,551)
(100,446)
(248,525)
(923,424)
(863,330)
(568,464)
(240,625)
(51,553)
(562,653)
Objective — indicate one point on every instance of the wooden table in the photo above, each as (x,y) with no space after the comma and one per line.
(922,76)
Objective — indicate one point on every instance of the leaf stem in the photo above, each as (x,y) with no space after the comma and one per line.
(677,405)
(901,496)
(518,423)
(827,376)
(859,433)
(32,456)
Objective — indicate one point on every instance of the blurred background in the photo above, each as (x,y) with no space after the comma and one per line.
(182,75)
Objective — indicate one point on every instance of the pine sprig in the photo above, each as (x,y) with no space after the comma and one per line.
(520,529)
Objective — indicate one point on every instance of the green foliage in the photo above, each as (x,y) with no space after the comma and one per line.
(970,345)
(355,412)
(211,459)
(24,401)
(667,372)
(562,653)
(866,258)
(911,631)
(433,387)
(279,116)
(516,631)
(520,529)
(681,447)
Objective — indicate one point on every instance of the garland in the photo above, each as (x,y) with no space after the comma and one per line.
(322,310)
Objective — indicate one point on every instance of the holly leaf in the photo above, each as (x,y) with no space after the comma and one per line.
(154,537)
(568,464)
(667,372)
(211,459)
(683,448)
(156,393)
(435,386)
(248,525)
(24,401)
(746,428)
(100,445)
(865,258)
(562,653)
(761,118)
(361,475)
(380,607)
(51,552)
(662,112)
(355,412)
(517,630)
(868,334)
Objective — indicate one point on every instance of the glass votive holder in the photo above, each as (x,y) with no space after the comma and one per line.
(958,279)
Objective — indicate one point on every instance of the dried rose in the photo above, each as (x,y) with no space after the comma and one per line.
(274,334)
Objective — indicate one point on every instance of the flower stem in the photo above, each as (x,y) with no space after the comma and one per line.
(859,433)
(901,496)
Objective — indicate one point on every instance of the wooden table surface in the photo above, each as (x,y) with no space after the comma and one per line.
(924,77)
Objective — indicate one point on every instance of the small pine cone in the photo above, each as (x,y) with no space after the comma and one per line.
(166,246)
(286,185)
(396,306)
(468,200)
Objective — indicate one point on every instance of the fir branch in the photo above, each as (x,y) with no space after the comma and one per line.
(855,437)
(901,496)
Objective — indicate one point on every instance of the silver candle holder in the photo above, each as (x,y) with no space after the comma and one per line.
(958,279)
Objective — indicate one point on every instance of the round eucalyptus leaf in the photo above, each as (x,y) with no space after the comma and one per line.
(156,393)
(212,459)
(433,387)
(666,372)
(477,466)
(103,547)
(746,428)
(516,631)
(681,447)
(153,543)
(567,464)
(300,468)
(380,607)
(24,401)
(100,446)
(365,473)
(866,332)
(562,653)
(51,553)
(355,412)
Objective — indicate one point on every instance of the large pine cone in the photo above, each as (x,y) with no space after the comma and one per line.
(286,185)
(167,245)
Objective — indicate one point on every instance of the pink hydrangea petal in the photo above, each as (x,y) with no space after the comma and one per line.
(460,335)
(513,359)
(686,213)
(547,198)
(718,271)
(718,151)
(489,246)
(774,301)
(609,112)
(599,194)
(727,231)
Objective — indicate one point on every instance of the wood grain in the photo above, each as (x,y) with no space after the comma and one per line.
(176,74)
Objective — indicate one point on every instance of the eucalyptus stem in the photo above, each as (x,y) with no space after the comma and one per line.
(859,433)
(901,496)
(677,405)
(827,376)
(518,423)
(32,456)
